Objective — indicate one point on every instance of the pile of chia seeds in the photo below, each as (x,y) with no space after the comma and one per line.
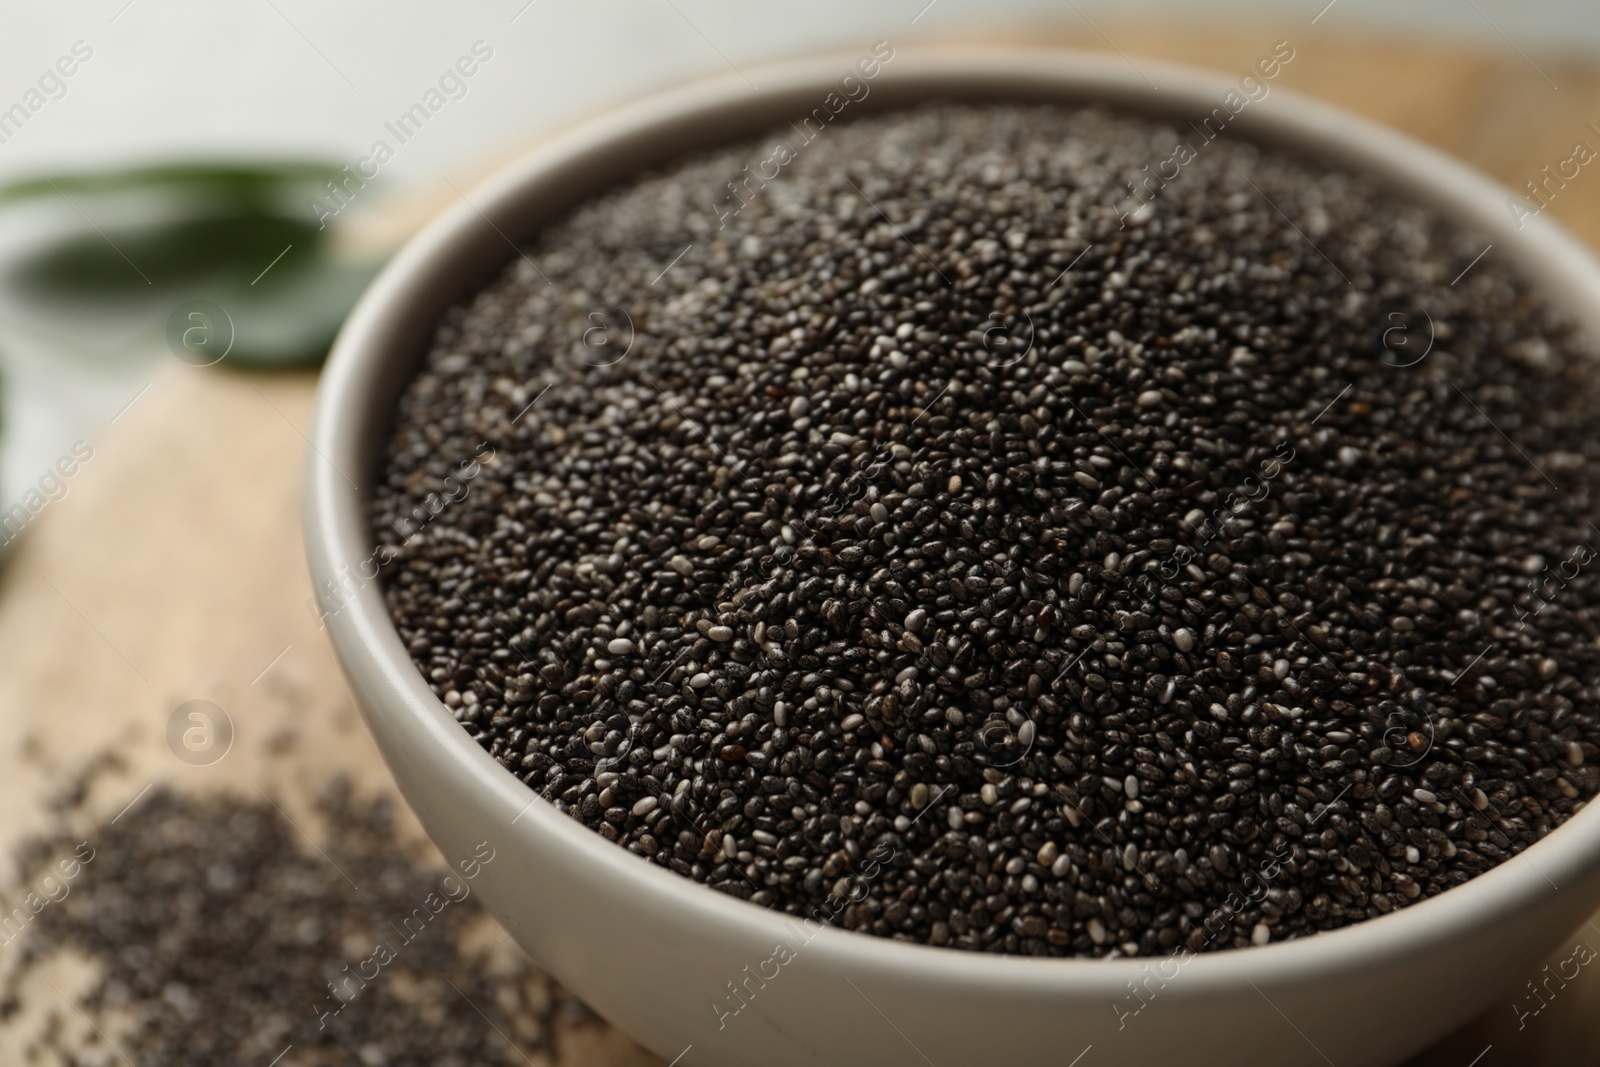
(961,545)
(218,935)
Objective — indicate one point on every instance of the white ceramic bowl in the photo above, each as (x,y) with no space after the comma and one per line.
(653,952)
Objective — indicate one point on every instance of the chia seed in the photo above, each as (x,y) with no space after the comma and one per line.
(215,936)
(917,523)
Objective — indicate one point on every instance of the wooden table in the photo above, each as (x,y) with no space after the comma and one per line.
(173,569)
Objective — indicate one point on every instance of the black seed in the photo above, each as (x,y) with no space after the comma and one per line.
(951,555)
(171,899)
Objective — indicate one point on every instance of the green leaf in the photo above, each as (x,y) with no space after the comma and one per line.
(255,187)
(136,262)
(244,237)
(292,321)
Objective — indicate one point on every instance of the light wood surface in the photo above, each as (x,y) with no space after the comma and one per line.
(173,571)
(173,568)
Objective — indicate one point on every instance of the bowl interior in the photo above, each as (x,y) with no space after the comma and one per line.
(391,327)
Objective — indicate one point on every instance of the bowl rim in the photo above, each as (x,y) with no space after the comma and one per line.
(402,711)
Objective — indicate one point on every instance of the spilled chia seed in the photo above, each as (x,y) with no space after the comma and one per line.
(934,546)
(219,936)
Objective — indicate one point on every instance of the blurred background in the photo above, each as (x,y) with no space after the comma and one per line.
(89,286)
(191,196)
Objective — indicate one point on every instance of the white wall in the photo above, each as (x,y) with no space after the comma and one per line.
(199,77)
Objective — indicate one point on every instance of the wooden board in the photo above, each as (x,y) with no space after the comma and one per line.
(173,570)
